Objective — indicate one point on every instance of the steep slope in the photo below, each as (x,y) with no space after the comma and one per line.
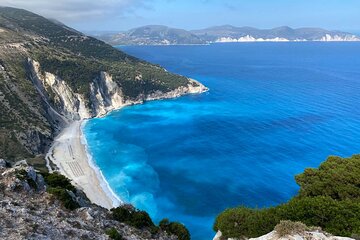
(32,208)
(51,74)
(152,35)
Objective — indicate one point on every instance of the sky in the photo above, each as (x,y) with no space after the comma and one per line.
(117,15)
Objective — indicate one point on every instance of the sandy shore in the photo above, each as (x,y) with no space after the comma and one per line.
(69,154)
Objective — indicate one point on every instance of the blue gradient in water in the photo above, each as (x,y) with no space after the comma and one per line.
(273,110)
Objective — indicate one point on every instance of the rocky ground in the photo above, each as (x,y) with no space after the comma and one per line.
(27,211)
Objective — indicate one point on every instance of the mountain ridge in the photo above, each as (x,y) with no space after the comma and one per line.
(164,35)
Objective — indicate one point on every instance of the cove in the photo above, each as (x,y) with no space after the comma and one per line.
(273,109)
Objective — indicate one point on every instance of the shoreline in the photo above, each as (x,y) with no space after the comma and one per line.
(104,184)
(69,153)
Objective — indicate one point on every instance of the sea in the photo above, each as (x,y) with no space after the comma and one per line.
(273,110)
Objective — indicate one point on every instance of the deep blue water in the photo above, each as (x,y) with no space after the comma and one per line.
(273,109)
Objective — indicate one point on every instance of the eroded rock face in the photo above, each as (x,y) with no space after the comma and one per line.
(105,94)
(29,212)
(68,104)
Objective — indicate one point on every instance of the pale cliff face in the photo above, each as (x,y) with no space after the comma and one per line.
(105,95)
(326,38)
(67,103)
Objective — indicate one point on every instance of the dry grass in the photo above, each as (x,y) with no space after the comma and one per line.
(285,228)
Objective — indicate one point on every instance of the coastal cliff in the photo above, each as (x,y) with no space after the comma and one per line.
(52,75)
(105,95)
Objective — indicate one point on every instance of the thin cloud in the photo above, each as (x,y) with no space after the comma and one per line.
(78,10)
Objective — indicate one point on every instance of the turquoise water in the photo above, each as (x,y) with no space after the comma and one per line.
(273,109)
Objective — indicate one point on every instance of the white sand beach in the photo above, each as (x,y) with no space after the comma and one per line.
(69,154)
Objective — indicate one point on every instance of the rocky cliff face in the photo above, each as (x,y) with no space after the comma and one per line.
(27,211)
(68,105)
(105,94)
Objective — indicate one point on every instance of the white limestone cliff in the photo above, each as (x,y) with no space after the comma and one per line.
(105,94)
(67,103)
(337,38)
(326,38)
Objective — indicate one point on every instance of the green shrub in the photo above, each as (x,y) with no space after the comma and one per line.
(60,186)
(246,222)
(329,198)
(114,234)
(133,217)
(56,180)
(175,228)
(64,197)
(336,217)
(338,178)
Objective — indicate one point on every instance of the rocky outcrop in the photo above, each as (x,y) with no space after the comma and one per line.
(27,211)
(34,140)
(105,95)
(192,88)
(303,235)
(306,235)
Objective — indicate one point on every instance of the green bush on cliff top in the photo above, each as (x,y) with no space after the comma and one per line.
(175,228)
(329,197)
(61,187)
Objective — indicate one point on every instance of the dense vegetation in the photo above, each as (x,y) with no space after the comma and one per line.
(329,198)
(175,228)
(26,127)
(131,216)
(141,219)
(61,187)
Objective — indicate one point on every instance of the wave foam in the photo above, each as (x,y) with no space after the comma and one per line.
(116,201)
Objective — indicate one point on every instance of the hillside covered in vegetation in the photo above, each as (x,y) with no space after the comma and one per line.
(329,198)
(51,74)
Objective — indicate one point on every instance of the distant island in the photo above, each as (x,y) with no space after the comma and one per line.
(164,35)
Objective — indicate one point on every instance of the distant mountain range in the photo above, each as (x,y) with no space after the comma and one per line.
(163,35)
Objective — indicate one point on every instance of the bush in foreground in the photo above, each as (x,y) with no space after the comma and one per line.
(329,198)
(133,217)
(175,228)
(57,180)
(61,187)
(140,219)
